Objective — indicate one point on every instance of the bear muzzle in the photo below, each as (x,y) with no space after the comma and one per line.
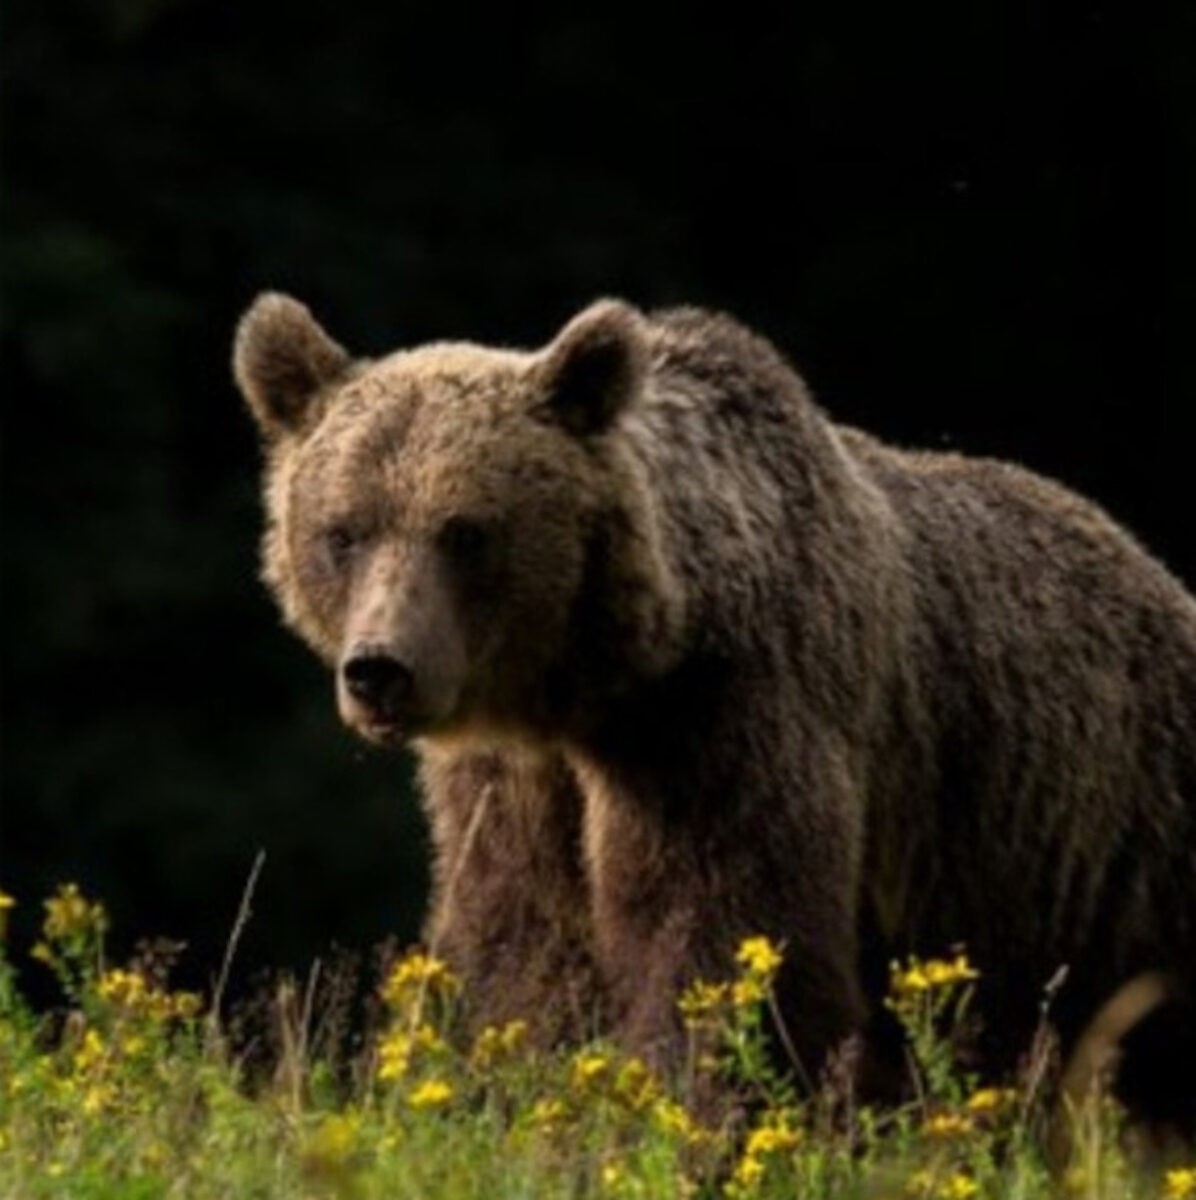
(377,694)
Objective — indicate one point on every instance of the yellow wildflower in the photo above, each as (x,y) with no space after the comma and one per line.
(747,1174)
(772,1138)
(674,1119)
(138,996)
(335,1139)
(947,1125)
(547,1113)
(987,1100)
(132,1045)
(394,1056)
(635,1084)
(432,1093)
(98,1097)
(6,902)
(912,980)
(399,1046)
(495,1043)
(748,992)
(589,1067)
(920,1183)
(958,1187)
(613,1174)
(1180,1183)
(91,1051)
(933,975)
(760,956)
(69,914)
(416,973)
(944,974)
(701,999)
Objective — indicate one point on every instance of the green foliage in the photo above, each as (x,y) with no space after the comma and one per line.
(136,1092)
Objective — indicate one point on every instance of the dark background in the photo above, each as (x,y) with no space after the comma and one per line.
(970,224)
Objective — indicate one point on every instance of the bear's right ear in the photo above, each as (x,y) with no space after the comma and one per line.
(281,360)
(594,368)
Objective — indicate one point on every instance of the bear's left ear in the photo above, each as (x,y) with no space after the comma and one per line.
(282,359)
(594,367)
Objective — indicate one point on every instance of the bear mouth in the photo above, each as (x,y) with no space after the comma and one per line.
(384,731)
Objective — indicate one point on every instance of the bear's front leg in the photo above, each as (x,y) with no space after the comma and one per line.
(510,905)
(677,884)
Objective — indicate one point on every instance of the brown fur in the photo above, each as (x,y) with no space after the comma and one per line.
(722,667)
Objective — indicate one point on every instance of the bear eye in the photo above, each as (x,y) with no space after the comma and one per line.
(463,540)
(340,542)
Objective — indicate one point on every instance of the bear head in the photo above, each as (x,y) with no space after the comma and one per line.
(433,515)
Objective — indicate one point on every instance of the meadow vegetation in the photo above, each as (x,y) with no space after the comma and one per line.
(132,1090)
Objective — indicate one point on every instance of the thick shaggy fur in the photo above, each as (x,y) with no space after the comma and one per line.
(705,664)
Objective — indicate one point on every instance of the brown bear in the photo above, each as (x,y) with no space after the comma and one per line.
(684,661)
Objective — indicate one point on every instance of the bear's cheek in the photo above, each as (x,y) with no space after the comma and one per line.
(324,588)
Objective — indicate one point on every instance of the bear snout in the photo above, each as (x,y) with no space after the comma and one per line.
(379,683)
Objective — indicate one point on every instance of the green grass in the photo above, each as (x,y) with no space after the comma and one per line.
(136,1091)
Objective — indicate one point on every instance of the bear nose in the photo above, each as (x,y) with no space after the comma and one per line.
(379,681)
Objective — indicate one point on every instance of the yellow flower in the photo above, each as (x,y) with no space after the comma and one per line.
(6,902)
(494,1044)
(748,1173)
(399,1046)
(912,980)
(944,974)
(589,1067)
(69,914)
(772,1138)
(91,1051)
(132,1046)
(417,973)
(138,996)
(701,999)
(613,1174)
(635,1085)
(335,1138)
(760,956)
(547,1113)
(748,992)
(987,1100)
(947,1125)
(955,1186)
(394,1055)
(432,1093)
(1180,1183)
(933,975)
(673,1118)
(97,1097)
